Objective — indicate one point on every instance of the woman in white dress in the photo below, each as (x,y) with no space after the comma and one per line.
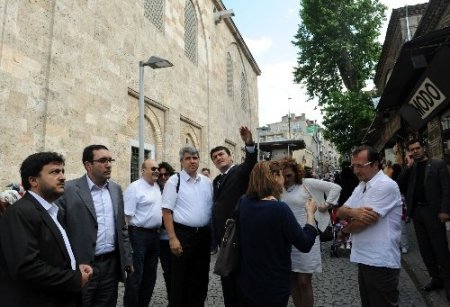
(297,192)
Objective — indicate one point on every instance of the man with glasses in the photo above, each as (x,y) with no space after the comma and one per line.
(95,223)
(426,184)
(144,217)
(374,210)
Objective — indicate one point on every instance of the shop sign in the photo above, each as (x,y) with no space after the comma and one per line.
(427,98)
(431,93)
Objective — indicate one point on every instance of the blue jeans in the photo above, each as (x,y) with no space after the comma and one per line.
(139,286)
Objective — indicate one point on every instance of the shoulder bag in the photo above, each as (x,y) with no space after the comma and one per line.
(228,256)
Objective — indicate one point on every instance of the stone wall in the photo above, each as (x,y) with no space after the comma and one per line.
(69,78)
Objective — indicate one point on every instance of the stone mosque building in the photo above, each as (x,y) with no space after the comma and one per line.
(69,77)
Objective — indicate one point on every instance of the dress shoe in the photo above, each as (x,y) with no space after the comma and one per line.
(433,285)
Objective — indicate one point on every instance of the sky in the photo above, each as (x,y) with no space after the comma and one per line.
(268,27)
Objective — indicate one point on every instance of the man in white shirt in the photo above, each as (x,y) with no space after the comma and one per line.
(37,264)
(142,201)
(187,203)
(374,210)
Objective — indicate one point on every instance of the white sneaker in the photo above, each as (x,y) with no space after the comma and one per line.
(404,250)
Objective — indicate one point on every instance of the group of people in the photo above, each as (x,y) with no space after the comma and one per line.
(71,243)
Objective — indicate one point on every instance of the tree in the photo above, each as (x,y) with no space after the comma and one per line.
(345,114)
(338,51)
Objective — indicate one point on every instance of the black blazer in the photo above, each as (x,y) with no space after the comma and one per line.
(232,187)
(437,189)
(37,271)
(81,221)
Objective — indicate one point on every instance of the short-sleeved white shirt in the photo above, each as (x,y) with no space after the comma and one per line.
(192,205)
(378,244)
(143,204)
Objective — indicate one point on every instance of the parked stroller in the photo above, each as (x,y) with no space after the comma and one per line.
(342,244)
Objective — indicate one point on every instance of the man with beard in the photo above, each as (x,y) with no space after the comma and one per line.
(95,221)
(37,262)
(426,184)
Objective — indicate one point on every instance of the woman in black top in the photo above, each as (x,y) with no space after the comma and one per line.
(268,229)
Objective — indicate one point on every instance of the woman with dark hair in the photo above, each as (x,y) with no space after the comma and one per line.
(296,195)
(268,228)
(165,171)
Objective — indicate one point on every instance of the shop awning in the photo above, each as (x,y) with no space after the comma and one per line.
(414,59)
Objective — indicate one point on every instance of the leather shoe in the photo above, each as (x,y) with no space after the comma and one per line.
(433,285)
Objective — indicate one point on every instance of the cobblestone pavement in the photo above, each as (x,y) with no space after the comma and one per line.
(336,286)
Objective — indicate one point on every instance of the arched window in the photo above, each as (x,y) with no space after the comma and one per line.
(244,93)
(230,88)
(154,11)
(190,32)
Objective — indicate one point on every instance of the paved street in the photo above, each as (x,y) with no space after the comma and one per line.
(336,286)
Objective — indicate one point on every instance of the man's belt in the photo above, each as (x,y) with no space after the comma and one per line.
(189,228)
(421,203)
(105,256)
(142,229)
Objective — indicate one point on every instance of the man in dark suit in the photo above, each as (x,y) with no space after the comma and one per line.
(38,267)
(426,185)
(95,221)
(229,186)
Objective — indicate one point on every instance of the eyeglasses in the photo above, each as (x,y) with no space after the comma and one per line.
(163,175)
(361,165)
(154,168)
(104,160)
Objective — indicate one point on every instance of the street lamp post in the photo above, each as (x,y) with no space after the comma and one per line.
(155,63)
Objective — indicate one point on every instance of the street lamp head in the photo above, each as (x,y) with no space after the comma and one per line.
(156,62)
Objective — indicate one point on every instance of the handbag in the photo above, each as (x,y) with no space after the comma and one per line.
(228,256)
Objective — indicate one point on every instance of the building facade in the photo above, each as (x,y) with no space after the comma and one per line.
(69,78)
(319,154)
(414,61)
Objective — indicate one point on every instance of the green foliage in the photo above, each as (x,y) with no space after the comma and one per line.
(338,51)
(347,114)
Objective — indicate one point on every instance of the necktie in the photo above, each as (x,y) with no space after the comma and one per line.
(220,180)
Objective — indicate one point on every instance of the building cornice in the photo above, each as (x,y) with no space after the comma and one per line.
(238,37)
(394,24)
(433,15)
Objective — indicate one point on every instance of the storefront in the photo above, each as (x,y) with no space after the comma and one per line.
(418,94)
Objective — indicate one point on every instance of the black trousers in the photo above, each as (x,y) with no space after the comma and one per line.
(190,271)
(433,245)
(230,290)
(378,286)
(102,288)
